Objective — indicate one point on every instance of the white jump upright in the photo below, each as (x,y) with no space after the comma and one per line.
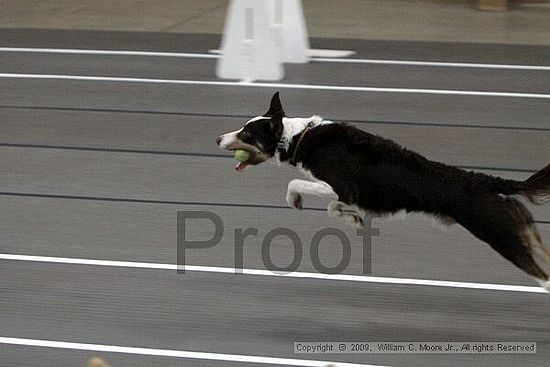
(260,35)
(289,27)
(249,50)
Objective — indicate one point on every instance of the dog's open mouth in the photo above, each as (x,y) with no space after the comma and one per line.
(253,159)
(241,165)
(255,155)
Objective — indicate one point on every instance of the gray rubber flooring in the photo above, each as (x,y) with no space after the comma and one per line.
(98,170)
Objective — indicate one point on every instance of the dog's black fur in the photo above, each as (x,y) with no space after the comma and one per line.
(379,176)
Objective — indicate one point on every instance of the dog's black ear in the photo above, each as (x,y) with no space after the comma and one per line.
(277,123)
(275,106)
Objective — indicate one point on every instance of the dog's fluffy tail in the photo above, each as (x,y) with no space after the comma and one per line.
(509,228)
(536,188)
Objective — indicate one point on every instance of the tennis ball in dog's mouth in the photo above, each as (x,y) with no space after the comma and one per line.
(241,155)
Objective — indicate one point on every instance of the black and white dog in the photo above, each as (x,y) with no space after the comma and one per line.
(352,167)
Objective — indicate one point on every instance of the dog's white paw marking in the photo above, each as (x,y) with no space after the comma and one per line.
(354,219)
(297,188)
(294,199)
(293,195)
(334,210)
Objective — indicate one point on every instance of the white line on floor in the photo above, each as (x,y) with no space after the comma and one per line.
(315,59)
(108,52)
(175,353)
(259,272)
(273,85)
(433,64)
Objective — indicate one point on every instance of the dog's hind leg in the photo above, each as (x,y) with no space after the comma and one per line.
(334,210)
(508,227)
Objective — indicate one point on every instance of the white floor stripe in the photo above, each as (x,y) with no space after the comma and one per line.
(258,272)
(274,85)
(175,353)
(315,59)
(108,52)
(434,64)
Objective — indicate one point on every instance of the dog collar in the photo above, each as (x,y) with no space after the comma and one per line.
(292,160)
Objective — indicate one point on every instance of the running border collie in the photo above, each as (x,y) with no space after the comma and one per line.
(352,167)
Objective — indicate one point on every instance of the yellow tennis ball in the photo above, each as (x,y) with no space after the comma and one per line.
(97,362)
(241,155)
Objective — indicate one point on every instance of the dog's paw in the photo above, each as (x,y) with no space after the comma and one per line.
(334,209)
(354,219)
(294,200)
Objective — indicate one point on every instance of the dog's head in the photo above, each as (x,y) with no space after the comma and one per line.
(259,136)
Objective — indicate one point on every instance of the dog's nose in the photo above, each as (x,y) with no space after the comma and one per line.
(218,140)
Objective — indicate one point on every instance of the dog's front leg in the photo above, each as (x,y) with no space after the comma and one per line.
(296,188)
